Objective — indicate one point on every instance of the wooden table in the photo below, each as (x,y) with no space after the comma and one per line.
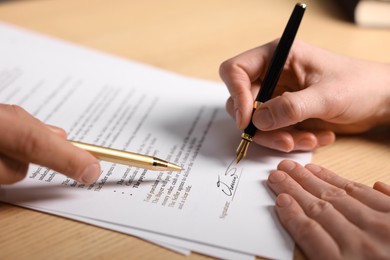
(191,38)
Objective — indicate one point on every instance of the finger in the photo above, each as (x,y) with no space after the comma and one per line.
(307,233)
(230,107)
(61,132)
(341,127)
(293,107)
(355,211)
(11,170)
(27,139)
(370,197)
(239,73)
(319,210)
(243,122)
(291,139)
(382,187)
(280,140)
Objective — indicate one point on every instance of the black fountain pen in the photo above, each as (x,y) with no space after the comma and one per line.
(273,73)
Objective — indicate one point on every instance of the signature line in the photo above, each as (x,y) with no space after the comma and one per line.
(237,184)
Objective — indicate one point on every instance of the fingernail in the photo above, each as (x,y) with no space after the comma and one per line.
(313,168)
(287,165)
(281,145)
(266,121)
(90,174)
(283,200)
(325,138)
(305,144)
(276,176)
(238,118)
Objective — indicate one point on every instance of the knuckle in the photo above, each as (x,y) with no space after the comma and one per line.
(234,75)
(305,229)
(32,144)
(327,176)
(318,207)
(17,110)
(332,194)
(29,142)
(226,67)
(292,109)
(352,187)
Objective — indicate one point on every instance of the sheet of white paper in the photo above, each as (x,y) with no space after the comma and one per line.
(116,103)
(123,229)
(174,244)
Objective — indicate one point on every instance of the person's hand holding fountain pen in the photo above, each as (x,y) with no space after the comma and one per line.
(265,94)
(318,94)
(272,75)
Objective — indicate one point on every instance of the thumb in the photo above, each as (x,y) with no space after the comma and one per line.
(291,108)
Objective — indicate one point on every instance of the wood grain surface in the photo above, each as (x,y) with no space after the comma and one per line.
(190,38)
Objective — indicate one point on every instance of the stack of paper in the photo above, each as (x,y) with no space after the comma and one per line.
(213,206)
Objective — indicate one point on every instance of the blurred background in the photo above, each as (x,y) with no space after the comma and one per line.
(192,37)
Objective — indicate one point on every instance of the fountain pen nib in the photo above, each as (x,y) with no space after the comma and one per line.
(241,150)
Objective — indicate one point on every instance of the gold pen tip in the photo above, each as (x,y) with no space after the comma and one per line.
(239,157)
(242,149)
(174,167)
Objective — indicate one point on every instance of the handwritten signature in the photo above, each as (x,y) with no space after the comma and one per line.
(229,181)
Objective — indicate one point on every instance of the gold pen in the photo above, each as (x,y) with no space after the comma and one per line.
(128,158)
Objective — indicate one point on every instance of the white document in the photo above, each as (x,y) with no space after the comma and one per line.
(213,204)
